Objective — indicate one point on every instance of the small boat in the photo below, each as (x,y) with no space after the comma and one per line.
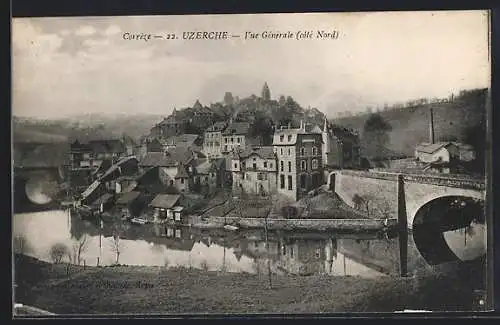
(231,228)
(139,221)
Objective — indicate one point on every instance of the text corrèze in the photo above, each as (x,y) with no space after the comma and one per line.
(223,35)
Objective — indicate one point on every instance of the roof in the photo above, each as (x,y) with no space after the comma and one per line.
(432,147)
(128,197)
(117,165)
(204,166)
(182,155)
(158,159)
(105,146)
(219,163)
(264,152)
(313,128)
(103,199)
(80,147)
(237,128)
(216,127)
(182,140)
(165,200)
(181,172)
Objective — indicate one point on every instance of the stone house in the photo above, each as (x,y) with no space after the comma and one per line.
(213,140)
(235,136)
(437,152)
(175,167)
(129,205)
(341,147)
(167,207)
(254,170)
(300,160)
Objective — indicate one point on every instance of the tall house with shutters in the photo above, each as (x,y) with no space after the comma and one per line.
(300,163)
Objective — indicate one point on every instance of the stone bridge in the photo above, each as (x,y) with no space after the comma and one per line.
(393,195)
(36,186)
(432,210)
(38,171)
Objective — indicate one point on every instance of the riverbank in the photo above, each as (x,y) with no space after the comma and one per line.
(349,225)
(158,290)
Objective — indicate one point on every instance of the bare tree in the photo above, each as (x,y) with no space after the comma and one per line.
(116,247)
(58,252)
(78,248)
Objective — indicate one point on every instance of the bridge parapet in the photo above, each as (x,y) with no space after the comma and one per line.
(464,183)
(370,174)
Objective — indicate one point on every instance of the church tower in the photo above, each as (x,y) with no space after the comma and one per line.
(266,93)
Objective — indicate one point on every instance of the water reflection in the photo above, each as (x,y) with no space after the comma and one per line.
(367,255)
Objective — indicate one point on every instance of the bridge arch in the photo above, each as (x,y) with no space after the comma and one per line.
(437,219)
(418,195)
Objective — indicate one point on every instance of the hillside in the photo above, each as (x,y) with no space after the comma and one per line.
(83,128)
(410,125)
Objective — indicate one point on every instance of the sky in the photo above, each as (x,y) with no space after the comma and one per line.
(66,66)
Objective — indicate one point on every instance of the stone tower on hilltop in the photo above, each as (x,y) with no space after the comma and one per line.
(266,93)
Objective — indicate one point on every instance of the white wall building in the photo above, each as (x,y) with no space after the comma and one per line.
(213,140)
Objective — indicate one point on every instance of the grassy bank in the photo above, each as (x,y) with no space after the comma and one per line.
(149,290)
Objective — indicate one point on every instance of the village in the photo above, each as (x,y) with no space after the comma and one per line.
(197,164)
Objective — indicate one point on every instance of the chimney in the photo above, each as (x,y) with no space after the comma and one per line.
(431,126)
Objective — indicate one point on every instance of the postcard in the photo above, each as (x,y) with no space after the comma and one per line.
(252,164)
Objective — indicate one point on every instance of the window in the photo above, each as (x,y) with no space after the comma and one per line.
(235,165)
(281,151)
(265,164)
(314,164)
(243,165)
(232,139)
(225,140)
(254,165)
(314,151)
(291,252)
(303,165)
(282,137)
(282,181)
(283,250)
(289,166)
(289,137)
(302,151)
(281,165)
(289,151)
(238,139)
(290,185)
(182,180)
(177,233)
(225,147)
(303,183)
(243,176)
(270,165)
(259,176)
(318,252)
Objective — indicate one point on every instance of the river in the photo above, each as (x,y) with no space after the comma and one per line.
(367,255)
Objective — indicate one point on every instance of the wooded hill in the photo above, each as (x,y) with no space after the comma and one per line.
(462,118)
